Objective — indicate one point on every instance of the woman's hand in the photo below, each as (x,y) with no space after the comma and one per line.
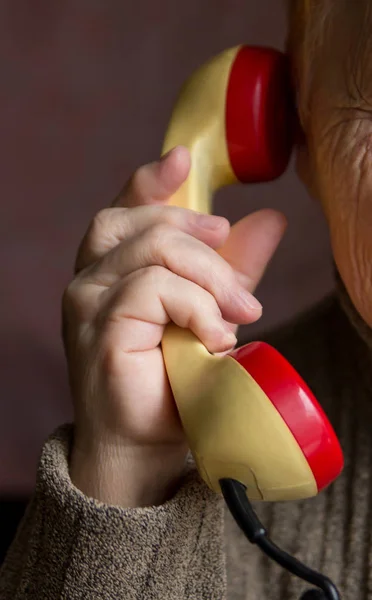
(141,265)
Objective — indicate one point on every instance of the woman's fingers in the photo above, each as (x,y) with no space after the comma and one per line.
(183,255)
(140,305)
(113,225)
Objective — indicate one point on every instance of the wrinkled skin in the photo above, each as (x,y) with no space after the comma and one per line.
(334,159)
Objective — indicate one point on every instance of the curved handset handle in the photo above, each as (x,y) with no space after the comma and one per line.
(248,415)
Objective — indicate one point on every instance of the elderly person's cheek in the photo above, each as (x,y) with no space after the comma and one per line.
(344,180)
(331,49)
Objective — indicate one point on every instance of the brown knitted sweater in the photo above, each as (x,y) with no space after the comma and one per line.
(71,547)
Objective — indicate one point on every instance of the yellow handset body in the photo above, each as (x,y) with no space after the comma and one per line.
(219,403)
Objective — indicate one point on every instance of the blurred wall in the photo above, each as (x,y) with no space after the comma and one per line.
(86,90)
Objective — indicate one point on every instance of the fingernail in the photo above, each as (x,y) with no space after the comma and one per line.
(209,221)
(249,301)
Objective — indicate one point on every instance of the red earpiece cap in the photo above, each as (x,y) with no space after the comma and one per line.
(298,407)
(259,114)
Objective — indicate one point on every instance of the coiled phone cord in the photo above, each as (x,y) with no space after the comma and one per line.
(241,509)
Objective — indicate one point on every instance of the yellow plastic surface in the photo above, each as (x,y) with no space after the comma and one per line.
(198,122)
(232,427)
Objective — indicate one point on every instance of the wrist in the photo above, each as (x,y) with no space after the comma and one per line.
(129,477)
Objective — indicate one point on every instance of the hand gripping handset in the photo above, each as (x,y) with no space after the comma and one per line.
(248,416)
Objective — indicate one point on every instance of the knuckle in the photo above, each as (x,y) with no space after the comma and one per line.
(153,274)
(159,235)
(99,225)
(218,280)
(138,179)
(149,276)
(96,232)
(107,228)
(203,305)
(101,219)
(71,298)
(171,215)
(211,307)
(223,277)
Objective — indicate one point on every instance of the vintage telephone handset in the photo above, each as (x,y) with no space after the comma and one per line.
(253,426)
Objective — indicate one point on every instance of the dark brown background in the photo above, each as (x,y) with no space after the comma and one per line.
(86,90)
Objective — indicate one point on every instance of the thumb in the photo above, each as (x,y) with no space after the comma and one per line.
(154,183)
(251,244)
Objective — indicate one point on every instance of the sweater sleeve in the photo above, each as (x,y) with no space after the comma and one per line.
(69,546)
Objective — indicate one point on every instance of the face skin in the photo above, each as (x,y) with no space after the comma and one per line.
(335,157)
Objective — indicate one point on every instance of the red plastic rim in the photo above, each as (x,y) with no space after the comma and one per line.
(298,407)
(259,114)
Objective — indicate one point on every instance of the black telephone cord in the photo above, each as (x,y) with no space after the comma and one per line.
(241,509)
